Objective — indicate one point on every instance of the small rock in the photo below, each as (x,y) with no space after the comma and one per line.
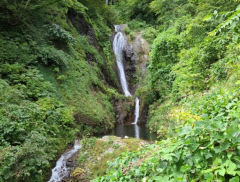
(69,163)
(126,137)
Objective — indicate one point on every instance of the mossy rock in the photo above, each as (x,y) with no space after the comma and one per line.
(95,154)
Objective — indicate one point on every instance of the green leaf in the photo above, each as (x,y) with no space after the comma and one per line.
(221,172)
(234,179)
(231,167)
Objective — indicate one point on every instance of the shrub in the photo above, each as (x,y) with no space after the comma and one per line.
(150,34)
(57,33)
(51,56)
(127,31)
(163,56)
(132,37)
(16,51)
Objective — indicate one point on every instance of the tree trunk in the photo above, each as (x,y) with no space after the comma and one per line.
(106,2)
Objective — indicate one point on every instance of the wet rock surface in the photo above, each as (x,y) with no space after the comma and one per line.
(124,111)
(70,163)
(141,49)
(131,60)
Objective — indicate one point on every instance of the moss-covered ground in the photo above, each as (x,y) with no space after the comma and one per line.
(97,152)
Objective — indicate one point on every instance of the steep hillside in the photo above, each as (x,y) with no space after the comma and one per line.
(57,80)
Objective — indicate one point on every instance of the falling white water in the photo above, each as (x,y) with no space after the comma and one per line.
(136,112)
(137,131)
(62,170)
(119,44)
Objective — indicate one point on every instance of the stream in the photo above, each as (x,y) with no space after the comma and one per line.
(62,169)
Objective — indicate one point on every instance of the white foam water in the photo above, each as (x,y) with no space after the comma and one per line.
(137,131)
(62,170)
(136,112)
(119,44)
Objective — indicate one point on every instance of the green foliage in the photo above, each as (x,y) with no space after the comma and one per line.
(195,56)
(159,120)
(230,23)
(163,57)
(54,82)
(135,9)
(16,12)
(132,37)
(137,25)
(51,56)
(33,130)
(150,34)
(13,50)
(204,150)
(56,33)
(192,88)
(168,11)
(127,31)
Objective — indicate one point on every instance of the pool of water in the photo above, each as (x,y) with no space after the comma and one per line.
(133,130)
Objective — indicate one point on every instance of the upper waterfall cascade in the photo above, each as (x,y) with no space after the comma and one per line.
(118,47)
(119,44)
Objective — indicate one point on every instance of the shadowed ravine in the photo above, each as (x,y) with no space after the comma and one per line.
(135,130)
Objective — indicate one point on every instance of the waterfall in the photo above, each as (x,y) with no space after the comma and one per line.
(137,131)
(62,170)
(136,112)
(119,44)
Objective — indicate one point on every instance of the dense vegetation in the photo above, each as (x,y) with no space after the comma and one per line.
(57,81)
(192,90)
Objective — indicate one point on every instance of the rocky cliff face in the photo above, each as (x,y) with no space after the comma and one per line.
(131,60)
(136,54)
(141,48)
(124,109)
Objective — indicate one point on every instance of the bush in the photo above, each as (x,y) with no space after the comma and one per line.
(163,56)
(51,56)
(136,25)
(132,36)
(16,51)
(56,33)
(150,34)
(135,9)
(127,31)
(34,130)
